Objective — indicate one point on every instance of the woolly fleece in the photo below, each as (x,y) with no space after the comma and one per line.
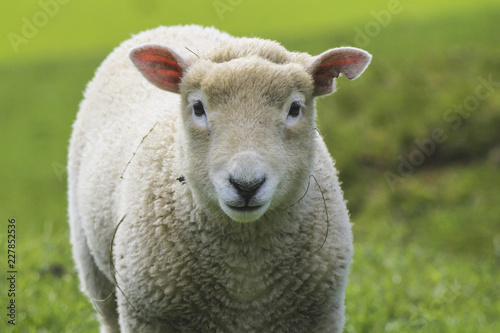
(144,190)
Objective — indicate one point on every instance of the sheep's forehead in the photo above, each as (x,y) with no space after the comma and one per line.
(252,78)
(246,47)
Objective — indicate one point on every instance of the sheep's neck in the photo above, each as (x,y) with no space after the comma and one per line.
(251,259)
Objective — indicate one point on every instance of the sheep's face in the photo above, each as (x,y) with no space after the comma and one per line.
(248,134)
(248,119)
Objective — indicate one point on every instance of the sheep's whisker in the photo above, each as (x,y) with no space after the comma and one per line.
(140,143)
(187,48)
(303,196)
(95,301)
(113,269)
(326,213)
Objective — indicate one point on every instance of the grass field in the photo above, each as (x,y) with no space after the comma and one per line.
(416,139)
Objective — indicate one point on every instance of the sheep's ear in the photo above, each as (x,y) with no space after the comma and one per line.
(329,65)
(159,65)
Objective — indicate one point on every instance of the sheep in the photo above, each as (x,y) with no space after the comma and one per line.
(201,196)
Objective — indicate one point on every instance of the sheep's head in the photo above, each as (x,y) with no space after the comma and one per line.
(248,119)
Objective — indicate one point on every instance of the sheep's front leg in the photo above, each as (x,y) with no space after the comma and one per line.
(108,316)
(132,320)
(94,283)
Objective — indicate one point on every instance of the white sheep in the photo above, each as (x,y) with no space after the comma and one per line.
(212,203)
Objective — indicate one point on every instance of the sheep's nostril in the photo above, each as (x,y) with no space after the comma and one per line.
(247,189)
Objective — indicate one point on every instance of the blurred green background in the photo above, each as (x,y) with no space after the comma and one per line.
(416,139)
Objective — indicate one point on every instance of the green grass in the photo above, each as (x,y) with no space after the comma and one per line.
(79,27)
(427,251)
(416,289)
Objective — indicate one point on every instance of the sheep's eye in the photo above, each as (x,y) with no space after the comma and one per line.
(294,111)
(198,109)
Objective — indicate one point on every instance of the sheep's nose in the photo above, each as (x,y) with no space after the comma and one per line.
(247,189)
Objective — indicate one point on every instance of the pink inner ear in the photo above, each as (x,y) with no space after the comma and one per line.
(336,66)
(159,65)
(329,65)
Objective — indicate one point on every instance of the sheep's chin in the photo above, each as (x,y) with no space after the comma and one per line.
(244,215)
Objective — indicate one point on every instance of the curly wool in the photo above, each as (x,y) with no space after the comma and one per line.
(181,263)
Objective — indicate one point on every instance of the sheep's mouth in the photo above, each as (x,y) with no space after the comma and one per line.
(245,213)
(245,209)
